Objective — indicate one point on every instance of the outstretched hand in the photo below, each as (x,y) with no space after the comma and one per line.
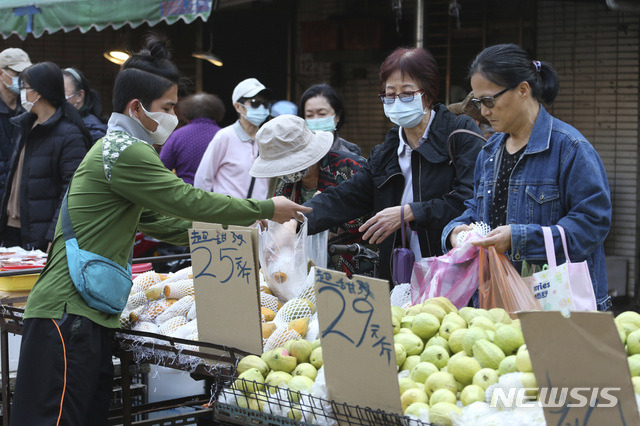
(286,210)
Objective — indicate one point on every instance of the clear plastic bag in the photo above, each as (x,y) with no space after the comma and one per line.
(285,257)
(501,286)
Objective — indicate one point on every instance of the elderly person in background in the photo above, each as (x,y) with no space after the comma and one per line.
(304,163)
(185,147)
(12,62)
(535,171)
(466,107)
(322,109)
(225,165)
(86,101)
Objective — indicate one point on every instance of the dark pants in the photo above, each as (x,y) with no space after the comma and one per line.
(65,373)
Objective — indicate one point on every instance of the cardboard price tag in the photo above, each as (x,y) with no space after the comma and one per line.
(226,286)
(581,368)
(357,340)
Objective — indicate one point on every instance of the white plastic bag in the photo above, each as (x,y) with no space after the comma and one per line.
(284,259)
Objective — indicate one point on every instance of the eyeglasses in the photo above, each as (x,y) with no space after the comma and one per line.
(389,98)
(488,101)
(255,103)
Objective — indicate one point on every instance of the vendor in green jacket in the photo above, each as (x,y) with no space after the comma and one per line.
(65,372)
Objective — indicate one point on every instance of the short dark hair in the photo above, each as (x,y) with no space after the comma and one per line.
(508,65)
(146,75)
(330,94)
(202,105)
(417,63)
(92,103)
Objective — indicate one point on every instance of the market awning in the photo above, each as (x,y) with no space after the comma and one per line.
(23,17)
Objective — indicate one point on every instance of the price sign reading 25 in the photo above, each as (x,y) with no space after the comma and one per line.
(224,252)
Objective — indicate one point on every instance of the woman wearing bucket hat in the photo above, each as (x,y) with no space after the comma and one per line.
(411,170)
(304,164)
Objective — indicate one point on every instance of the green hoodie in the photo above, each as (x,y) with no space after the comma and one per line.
(122,187)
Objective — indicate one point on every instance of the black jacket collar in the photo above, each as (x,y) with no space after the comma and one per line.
(26,119)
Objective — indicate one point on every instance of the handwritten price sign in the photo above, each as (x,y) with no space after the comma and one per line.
(226,286)
(357,340)
(583,361)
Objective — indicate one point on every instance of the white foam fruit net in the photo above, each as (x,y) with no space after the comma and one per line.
(295,319)
(163,305)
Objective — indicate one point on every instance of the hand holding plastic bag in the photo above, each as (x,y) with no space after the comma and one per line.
(453,275)
(501,286)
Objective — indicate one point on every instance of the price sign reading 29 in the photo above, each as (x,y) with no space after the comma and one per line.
(224,254)
(353,317)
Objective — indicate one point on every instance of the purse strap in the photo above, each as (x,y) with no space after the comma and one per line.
(550,248)
(67,227)
(404,240)
(564,243)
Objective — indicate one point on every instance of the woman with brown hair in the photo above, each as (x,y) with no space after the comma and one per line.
(411,168)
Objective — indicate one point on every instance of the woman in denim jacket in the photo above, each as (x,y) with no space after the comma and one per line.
(535,171)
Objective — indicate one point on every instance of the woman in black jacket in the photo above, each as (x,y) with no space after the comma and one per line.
(417,166)
(52,142)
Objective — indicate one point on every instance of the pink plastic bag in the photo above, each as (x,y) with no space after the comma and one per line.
(454,275)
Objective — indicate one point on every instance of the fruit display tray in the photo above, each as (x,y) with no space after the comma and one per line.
(231,408)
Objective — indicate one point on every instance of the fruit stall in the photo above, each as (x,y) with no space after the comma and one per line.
(276,346)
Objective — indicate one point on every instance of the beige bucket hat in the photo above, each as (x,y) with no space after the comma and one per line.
(287,146)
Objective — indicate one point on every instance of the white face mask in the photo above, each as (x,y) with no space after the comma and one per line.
(166,125)
(405,114)
(25,103)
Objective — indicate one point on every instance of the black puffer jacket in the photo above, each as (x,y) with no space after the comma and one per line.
(53,151)
(439,187)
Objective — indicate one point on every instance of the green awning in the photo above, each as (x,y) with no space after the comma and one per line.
(23,17)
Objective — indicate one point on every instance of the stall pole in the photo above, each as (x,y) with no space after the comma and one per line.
(4,350)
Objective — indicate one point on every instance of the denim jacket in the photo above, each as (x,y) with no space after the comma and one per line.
(559,180)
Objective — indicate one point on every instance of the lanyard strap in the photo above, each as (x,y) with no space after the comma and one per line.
(402,226)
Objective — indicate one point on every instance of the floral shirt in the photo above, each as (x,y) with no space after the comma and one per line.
(335,168)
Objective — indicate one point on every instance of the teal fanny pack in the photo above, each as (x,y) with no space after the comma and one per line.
(101,282)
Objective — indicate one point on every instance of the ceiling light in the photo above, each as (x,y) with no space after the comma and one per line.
(116,56)
(208,56)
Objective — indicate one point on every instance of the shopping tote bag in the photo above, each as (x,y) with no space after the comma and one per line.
(566,287)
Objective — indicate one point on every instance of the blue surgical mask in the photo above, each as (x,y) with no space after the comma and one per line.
(256,116)
(295,176)
(405,114)
(14,83)
(325,124)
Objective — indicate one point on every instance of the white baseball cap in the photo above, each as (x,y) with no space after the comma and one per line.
(248,89)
